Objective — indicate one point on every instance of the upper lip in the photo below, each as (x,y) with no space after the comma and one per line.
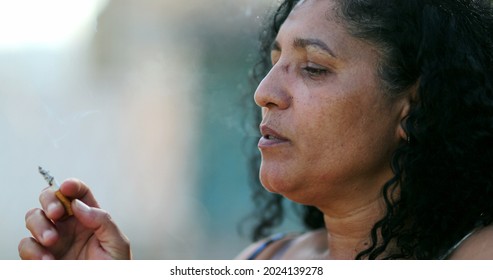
(267,131)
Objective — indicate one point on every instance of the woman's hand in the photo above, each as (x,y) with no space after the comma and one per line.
(89,234)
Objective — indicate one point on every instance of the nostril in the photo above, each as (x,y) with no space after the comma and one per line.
(273,92)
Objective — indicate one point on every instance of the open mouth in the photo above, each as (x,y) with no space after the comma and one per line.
(270,137)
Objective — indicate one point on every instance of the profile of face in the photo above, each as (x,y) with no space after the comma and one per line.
(329,128)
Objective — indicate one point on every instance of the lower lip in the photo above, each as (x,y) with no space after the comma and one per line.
(269,143)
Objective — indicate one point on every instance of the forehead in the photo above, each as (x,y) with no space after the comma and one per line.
(324,9)
(312,19)
(318,19)
(310,2)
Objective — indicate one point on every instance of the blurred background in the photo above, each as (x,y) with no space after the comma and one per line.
(143,101)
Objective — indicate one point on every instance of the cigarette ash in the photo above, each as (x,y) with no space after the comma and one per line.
(46,175)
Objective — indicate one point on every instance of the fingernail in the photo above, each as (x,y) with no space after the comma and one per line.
(51,208)
(82,206)
(48,235)
(47,258)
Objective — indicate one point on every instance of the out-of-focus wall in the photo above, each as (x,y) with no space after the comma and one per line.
(145,107)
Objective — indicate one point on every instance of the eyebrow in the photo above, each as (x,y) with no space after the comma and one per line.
(304,43)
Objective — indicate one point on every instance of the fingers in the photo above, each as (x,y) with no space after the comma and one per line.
(74,188)
(91,228)
(52,207)
(108,234)
(41,228)
(30,249)
(71,188)
(44,235)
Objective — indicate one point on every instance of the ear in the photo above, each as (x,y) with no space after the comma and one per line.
(408,100)
(401,131)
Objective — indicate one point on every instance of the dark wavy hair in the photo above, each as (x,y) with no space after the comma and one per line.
(444,50)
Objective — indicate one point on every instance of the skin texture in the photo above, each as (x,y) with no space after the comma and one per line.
(329,132)
(89,234)
(338,128)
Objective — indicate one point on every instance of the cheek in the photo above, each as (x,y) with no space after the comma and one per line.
(328,128)
(345,133)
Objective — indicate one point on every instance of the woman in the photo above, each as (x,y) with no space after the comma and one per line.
(377,115)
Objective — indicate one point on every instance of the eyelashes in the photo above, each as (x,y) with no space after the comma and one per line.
(312,70)
(305,68)
(315,72)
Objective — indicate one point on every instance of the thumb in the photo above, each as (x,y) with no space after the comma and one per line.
(111,239)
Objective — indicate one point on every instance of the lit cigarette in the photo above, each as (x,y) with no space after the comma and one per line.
(52,182)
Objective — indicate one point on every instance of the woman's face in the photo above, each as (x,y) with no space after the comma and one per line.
(328,128)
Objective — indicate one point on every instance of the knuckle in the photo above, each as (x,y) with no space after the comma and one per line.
(43,196)
(21,246)
(25,248)
(106,216)
(31,213)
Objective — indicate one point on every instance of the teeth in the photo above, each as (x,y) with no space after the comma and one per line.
(270,137)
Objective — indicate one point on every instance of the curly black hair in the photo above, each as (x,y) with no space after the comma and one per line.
(443,49)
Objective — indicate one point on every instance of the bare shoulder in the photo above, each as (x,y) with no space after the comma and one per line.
(478,246)
(311,245)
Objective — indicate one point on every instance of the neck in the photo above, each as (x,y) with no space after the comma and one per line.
(348,230)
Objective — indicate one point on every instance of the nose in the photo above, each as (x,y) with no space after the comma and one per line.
(273,91)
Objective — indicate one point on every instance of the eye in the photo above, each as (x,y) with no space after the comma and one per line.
(315,71)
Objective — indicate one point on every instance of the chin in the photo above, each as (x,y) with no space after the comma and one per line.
(268,185)
(283,183)
(279,182)
(272,180)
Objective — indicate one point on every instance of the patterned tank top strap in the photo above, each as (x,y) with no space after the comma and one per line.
(265,244)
